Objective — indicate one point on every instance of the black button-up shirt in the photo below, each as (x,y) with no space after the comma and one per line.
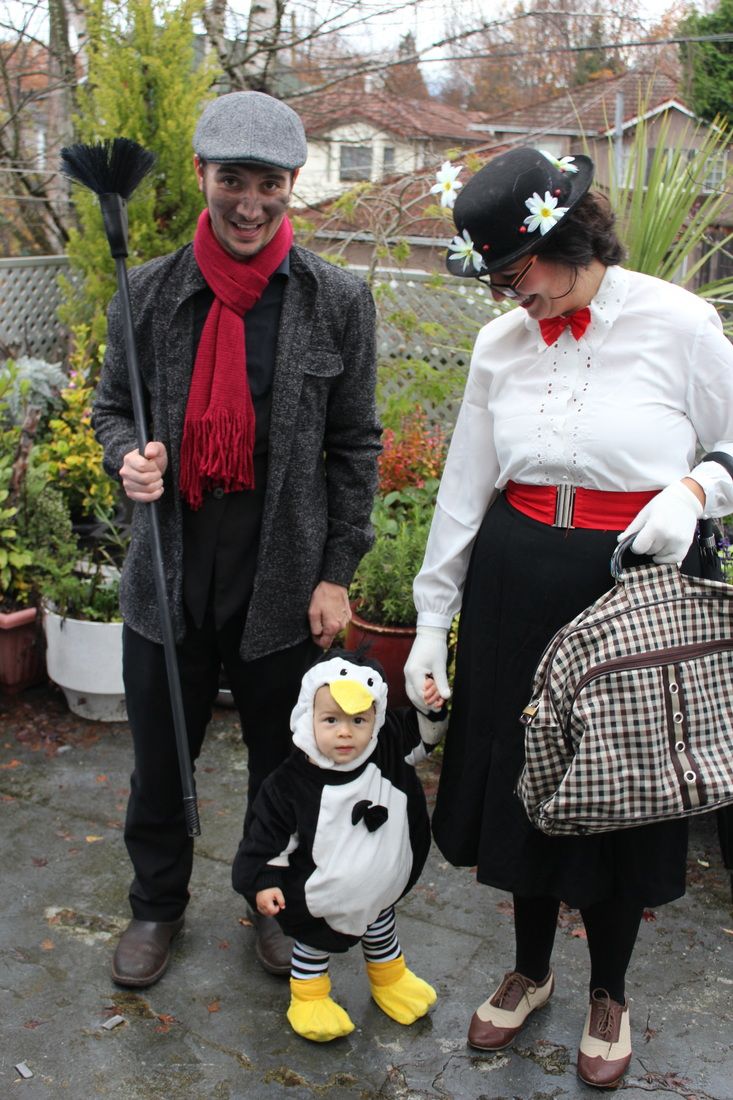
(221,538)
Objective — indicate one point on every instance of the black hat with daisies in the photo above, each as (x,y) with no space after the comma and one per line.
(511,205)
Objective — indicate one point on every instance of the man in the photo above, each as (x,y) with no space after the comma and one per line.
(259,367)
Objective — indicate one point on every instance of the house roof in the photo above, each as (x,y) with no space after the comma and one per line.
(408,118)
(399,206)
(591,108)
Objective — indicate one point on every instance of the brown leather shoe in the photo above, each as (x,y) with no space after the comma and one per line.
(496,1022)
(272,947)
(143,952)
(605,1048)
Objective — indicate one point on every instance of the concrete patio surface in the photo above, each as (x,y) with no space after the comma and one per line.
(214,1027)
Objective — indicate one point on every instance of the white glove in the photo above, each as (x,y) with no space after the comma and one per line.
(428,657)
(666,525)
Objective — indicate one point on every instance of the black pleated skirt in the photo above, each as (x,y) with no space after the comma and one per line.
(526,580)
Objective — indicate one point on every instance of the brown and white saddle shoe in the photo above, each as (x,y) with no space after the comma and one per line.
(605,1047)
(497,1021)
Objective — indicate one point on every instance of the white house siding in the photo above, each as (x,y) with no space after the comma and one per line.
(319,177)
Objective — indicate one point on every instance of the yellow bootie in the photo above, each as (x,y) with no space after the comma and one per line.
(399,992)
(313,1014)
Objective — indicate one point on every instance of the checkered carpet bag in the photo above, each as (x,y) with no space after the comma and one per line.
(631,716)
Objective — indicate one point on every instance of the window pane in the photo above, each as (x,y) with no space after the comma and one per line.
(356,162)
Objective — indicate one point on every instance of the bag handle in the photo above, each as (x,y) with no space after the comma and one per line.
(616,570)
(722,458)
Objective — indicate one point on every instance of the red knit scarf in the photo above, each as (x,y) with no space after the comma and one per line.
(219,428)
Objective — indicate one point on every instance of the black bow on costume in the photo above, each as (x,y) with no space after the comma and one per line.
(373,816)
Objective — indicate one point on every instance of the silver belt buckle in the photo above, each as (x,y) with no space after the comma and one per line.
(564,506)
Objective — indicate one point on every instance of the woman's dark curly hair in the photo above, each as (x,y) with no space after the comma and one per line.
(585,235)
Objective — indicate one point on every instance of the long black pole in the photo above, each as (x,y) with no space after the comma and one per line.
(190,805)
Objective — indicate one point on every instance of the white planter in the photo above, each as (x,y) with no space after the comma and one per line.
(85,660)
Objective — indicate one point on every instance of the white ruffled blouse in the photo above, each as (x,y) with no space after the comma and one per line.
(625,408)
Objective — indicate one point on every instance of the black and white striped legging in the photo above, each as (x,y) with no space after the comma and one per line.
(379,944)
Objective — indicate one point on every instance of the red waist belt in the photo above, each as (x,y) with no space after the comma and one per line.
(571,506)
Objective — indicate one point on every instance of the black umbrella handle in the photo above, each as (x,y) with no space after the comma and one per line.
(190,805)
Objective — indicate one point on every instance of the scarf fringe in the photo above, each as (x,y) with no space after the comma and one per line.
(216,452)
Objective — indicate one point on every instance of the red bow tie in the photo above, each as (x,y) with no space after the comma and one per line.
(554,326)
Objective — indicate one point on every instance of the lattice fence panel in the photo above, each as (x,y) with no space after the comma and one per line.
(30,297)
(417,319)
(421,318)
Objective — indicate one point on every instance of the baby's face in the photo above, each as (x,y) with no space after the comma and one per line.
(341,737)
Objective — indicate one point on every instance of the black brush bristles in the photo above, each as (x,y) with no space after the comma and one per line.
(112,167)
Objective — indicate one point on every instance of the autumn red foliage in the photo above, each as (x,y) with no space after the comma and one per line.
(412,454)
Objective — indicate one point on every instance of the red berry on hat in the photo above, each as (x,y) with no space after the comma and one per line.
(523,229)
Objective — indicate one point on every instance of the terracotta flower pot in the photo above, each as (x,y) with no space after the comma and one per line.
(390,645)
(22,660)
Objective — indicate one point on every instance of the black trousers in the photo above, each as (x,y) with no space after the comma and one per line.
(264,692)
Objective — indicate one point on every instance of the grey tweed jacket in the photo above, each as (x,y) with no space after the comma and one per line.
(323,444)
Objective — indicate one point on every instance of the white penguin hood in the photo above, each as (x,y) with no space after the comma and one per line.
(347,680)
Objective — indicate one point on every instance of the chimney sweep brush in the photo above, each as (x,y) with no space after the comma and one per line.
(112,170)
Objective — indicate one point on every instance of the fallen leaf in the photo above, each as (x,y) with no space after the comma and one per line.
(100,779)
(579,933)
(47,945)
(649,915)
(245,922)
(93,839)
(11,764)
(728,931)
(223,945)
(39,861)
(165,1022)
(31,1024)
(214,1006)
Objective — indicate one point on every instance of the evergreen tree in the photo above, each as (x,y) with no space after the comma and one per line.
(595,63)
(709,65)
(143,83)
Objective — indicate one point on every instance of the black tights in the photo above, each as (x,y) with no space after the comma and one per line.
(611,926)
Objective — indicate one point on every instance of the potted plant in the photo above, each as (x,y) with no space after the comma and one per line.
(83,629)
(383,612)
(36,543)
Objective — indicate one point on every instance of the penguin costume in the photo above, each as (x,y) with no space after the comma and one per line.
(344,841)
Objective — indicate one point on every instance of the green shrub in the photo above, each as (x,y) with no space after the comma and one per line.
(382,586)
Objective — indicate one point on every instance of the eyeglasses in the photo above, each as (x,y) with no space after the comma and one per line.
(511,289)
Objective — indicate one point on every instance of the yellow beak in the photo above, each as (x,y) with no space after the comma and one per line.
(351,696)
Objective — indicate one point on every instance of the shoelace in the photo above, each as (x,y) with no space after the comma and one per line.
(609,1012)
(509,980)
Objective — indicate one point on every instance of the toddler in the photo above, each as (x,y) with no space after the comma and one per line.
(339,833)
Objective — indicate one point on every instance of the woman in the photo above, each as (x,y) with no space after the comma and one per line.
(580,421)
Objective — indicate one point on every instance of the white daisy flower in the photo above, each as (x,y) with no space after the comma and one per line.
(543,213)
(463,250)
(563,164)
(447,185)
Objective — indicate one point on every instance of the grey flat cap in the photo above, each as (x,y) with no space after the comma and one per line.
(250,126)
